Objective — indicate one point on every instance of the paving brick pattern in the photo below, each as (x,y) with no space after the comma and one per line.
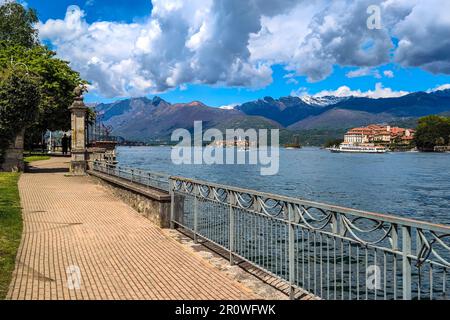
(71,222)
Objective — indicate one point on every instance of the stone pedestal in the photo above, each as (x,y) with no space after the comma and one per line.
(13,161)
(78,111)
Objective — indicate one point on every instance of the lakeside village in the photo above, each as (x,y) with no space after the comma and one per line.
(376,139)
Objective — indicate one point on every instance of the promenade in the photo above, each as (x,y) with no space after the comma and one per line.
(75,230)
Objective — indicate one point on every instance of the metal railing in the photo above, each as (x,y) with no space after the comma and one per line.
(329,251)
(148,179)
(102,138)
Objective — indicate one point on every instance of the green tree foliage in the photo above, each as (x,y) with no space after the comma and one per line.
(333,143)
(432,131)
(56,81)
(16,25)
(19,103)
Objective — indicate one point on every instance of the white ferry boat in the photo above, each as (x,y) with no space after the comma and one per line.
(350,148)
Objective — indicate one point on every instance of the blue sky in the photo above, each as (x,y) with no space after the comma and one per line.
(96,10)
(290,75)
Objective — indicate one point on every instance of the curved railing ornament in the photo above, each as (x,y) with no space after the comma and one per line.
(429,248)
(326,220)
(379,226)
(275,209)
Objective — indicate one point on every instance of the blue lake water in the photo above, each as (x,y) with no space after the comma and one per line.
(414,185)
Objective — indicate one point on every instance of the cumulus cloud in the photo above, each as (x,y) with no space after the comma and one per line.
(203,41)
(339,35)
(378,92)
(425,37)
(235,43)
(330,33)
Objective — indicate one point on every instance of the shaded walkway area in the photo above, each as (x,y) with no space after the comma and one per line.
(80,242)
(55,165)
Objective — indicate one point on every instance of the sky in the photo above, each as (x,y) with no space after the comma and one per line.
(226,52)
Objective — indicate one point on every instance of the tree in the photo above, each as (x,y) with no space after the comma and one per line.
(333,143)
(432,131)
(17,25)
(19,103)
(56,82)
(19,45)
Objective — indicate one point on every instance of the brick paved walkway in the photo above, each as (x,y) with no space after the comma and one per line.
(71,221)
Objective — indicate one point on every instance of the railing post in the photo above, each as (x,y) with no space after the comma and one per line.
(406,241)
(291,243)
(172,203)
(394,244)
(419,244)
(195,216)
(231,201)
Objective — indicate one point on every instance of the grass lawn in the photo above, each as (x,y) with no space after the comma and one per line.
(10,228)
(35,158)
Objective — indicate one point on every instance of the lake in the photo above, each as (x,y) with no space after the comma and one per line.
(414,185)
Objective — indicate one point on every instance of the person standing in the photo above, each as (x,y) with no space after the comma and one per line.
(65,144)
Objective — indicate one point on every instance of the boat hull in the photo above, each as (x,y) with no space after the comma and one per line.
(372,150)
(358,151)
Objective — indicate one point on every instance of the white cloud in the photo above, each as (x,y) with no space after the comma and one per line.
(338,34)
(440,88)
(329,33)
(281,34)
(102,52)
(300,92)
(364,72)
(179,43)
(389,74)
(378,92)
(424,37)
(235,43)
(229,107)
(291,81)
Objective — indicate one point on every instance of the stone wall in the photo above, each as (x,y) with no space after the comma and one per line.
(151,203)
(13,161)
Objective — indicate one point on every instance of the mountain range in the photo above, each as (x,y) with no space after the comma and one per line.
(143,119)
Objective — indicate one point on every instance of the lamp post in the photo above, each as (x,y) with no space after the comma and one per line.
(78,119)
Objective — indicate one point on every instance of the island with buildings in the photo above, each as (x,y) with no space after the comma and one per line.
(376,139)
(240,143)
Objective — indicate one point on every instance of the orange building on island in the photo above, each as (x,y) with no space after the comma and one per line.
(379,135)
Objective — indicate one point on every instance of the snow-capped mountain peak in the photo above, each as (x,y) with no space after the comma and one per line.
(322,101)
